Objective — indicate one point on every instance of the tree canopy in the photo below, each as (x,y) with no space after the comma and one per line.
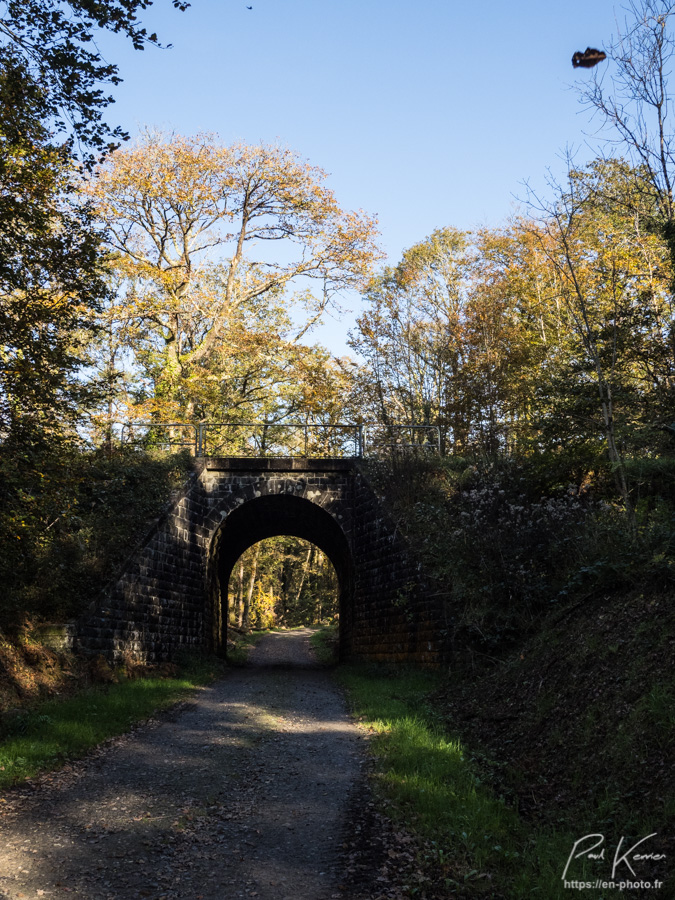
(212,246)
(54,40)
(51,279)
(554,330)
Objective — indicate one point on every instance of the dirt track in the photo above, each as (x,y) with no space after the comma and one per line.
(243,792)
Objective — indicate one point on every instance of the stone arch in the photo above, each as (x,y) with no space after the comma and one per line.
(168,598)
(269,516)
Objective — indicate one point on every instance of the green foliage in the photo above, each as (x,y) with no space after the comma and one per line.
(55,42)
(508,542)
(69,519)
(51,271)
(51,280)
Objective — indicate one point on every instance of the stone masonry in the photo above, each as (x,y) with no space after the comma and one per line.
(172,595)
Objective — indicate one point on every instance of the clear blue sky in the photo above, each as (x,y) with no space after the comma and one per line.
(426,113)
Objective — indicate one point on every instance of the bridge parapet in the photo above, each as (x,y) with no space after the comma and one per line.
(308,440)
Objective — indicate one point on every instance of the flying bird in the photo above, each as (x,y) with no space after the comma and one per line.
(589,58)
(249,7)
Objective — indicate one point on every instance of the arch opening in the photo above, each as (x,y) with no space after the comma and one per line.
(282,582)
(272,516)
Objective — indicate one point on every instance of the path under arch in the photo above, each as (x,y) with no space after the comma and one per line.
(276,515)
(242,792)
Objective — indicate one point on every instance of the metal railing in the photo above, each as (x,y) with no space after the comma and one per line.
(288,439)
(381,439)
(262,439)
(160,435)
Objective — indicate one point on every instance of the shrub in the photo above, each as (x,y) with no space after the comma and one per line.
(506,545)
(69,519)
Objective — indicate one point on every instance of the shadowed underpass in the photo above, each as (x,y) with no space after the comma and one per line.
(242,792)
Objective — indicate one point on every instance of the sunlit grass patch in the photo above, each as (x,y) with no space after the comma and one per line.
(432,783)
(55,730)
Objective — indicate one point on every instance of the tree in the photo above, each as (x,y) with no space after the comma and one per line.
(609,277)
(52,282)
(184,216)
(442,339)
(503,349)
(552,332)
(52,104)
(50,273)
(412,335)
(635,110)
(54,42)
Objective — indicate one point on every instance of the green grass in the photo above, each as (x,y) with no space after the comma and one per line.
(325,644)
(434,785)
(44,736)
(243,643)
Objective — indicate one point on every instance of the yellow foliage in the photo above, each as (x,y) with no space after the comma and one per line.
(199,231)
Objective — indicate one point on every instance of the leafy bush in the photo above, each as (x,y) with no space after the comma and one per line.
(506,545)
(69,519)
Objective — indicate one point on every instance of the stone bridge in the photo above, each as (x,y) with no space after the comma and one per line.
(173,594)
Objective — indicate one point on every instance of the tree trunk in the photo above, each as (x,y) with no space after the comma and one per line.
(240,595)
(246,618)
(305,569)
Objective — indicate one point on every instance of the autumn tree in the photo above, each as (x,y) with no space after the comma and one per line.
(282,581)
(411,335)
(610,276)
(199,233)
(51,280)
(553,331)
(634,106)
(442,341)
(504,349)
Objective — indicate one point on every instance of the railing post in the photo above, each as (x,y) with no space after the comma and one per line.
(362,441)
(199,438)
(306,440)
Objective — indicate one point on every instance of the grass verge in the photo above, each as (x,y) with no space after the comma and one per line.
(240,644)
(325,644)
(475,844)
(44,736)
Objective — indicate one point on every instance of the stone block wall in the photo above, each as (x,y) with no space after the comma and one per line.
(249,500)
(397,617)
(156,608)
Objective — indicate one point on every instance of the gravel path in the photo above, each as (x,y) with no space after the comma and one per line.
(242,792)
